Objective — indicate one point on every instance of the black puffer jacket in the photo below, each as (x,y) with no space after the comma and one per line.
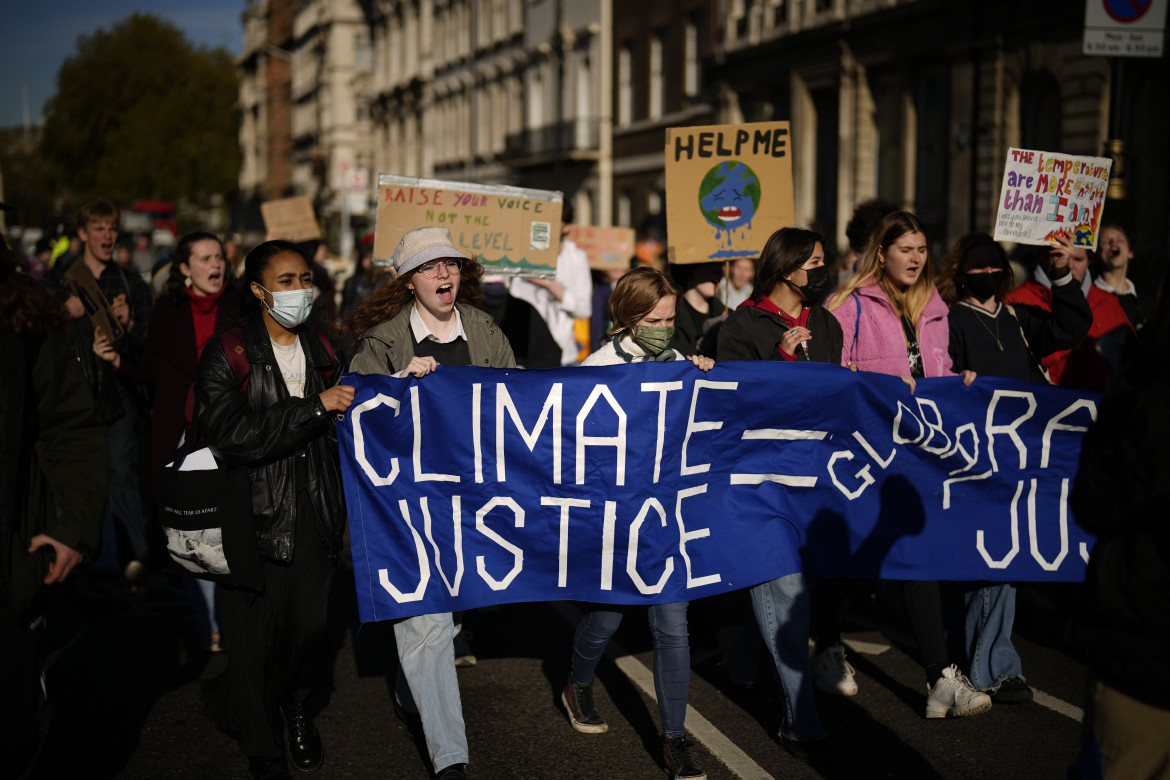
(751,333)
(265,428)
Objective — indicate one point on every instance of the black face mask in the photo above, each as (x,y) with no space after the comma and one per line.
(983,286)
(818,282)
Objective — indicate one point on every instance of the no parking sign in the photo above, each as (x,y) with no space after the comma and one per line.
(1125,28)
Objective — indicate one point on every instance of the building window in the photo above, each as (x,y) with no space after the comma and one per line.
(625,208)
(363,52)
(691,55)
(1040,112)
(625,106)
(657,74)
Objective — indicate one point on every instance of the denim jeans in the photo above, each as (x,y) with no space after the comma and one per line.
(991,611)
(672,657)
(427,656)
(782,611)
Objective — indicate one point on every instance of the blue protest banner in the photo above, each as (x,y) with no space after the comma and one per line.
(655,483)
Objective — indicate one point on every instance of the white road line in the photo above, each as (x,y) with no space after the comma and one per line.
(701,729)
(1058,705)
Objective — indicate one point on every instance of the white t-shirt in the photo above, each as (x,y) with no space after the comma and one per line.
(291,362)
(573,275)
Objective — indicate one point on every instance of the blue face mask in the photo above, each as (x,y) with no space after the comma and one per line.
(290,307)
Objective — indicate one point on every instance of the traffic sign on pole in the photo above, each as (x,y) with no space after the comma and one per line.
(1125,28)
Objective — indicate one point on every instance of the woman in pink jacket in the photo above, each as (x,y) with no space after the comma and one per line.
(894,322)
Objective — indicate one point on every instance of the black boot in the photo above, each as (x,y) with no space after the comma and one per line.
(267,769)
(304,744)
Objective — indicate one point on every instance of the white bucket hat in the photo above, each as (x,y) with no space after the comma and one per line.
(422,245)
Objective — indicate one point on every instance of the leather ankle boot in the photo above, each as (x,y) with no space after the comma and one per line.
(304,744)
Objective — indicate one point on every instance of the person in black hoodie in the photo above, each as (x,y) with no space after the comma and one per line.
(277,419)
(779,321)
(697,310)
(993,338)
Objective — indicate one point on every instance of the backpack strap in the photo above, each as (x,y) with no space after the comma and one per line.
(237,355)
(856,324)
(325,342)
(1037,366)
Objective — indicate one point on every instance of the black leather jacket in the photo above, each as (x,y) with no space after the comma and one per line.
(266,429)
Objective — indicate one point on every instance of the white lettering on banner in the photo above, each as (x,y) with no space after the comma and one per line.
(457,532)
(476,432)
(552,404)
(419,476)
(1003,562)
(563,549)
(607,535)
(424,570)
(1056,424)
(662,388)
(1085,552)
(865,445)
(617,442)
(898,437)
(632,550)
(862,474)
(1044,564)
(777,434)
(936,427)
(970,457)
(685,536)
(991,430)
(359,439)
(517,553)
(694,426)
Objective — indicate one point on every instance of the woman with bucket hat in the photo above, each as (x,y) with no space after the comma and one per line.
(422,320)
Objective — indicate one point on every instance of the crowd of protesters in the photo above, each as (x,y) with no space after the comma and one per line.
(111,354)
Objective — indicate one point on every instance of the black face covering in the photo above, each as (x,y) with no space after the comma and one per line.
(818,281)
(983,286)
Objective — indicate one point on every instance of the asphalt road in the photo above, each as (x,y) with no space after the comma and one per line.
(125,671)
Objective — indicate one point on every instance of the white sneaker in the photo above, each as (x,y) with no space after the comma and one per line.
(832,673)
(953,696)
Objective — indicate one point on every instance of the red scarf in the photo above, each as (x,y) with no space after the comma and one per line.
(765,304)
(203,309)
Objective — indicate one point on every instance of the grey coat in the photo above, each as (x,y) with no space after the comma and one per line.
(387,348)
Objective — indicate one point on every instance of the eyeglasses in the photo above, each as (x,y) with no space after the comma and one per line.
(431,270)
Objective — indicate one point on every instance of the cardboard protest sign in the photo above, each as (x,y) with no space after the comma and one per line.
(730,189)
(511,230)
(1045,193)
(97,307)
(291,219)
(608,248)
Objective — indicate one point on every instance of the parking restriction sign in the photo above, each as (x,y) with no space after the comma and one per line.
(1125,28)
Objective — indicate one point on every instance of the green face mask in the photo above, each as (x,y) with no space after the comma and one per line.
(654,339)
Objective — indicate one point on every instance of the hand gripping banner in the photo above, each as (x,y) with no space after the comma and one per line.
(655,483)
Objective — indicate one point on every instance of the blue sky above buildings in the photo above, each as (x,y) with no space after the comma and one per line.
(37,35)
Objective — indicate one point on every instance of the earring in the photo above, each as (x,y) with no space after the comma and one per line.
(187,281)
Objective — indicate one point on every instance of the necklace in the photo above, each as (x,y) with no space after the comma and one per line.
(979,319)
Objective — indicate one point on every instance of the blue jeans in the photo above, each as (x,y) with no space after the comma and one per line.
(782,611)
(991,611)
(427,656)
(672,657)
(125,498)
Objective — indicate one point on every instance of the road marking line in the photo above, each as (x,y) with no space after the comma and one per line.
(865,648)
(1058,705)
(739,762)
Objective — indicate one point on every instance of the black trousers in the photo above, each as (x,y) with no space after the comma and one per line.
(277,642)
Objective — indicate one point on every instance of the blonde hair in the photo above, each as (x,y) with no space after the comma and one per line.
(909,303)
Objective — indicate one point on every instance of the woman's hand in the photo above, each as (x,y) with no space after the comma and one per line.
(337,398)
(1059,255)
(704,363)
(968,377)
(792,338)
(105,350)
(421,366)
(910,381)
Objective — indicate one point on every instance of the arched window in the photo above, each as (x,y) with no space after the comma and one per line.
(1040,113)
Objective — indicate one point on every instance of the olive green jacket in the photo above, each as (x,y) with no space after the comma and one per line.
(387,348)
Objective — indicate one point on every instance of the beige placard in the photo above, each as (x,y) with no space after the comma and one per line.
(608,248)
(291,219)
(511,230)
(730,189)
(97,307)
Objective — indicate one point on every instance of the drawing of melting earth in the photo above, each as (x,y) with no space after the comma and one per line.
(729,196)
